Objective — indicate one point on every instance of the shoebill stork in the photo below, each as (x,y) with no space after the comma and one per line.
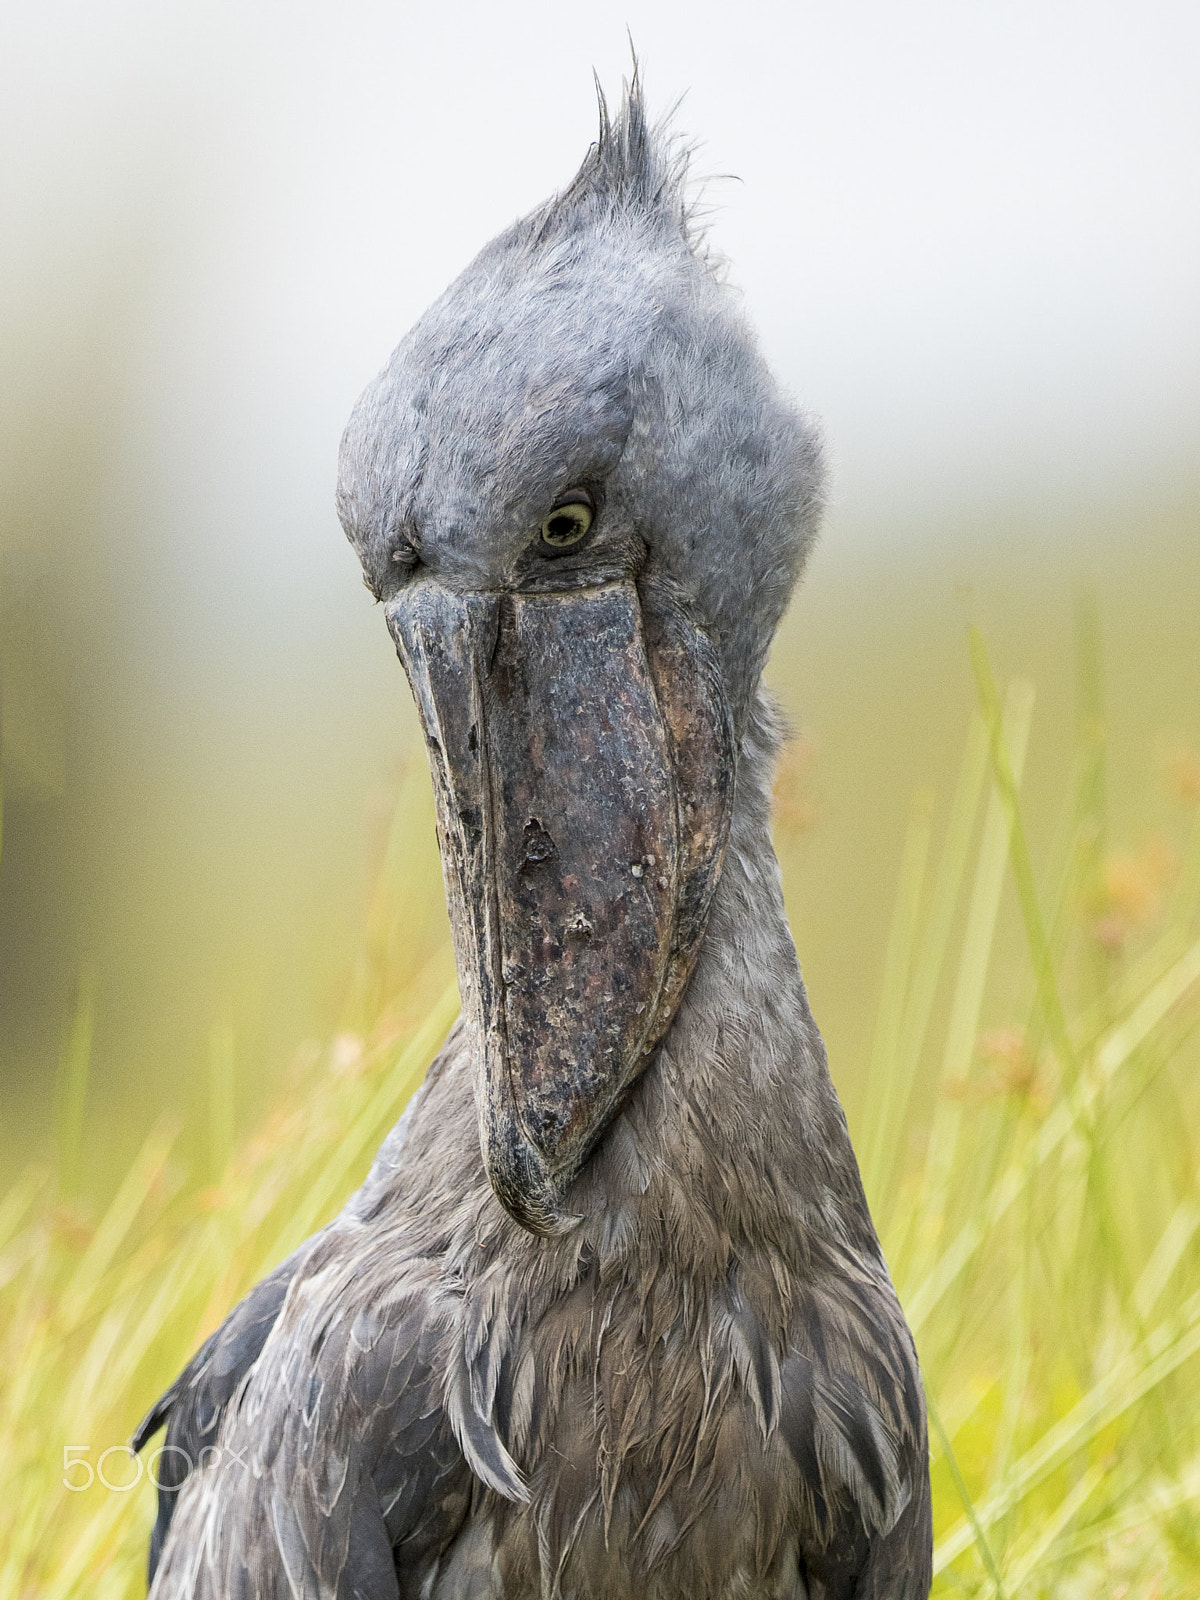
(608,1317)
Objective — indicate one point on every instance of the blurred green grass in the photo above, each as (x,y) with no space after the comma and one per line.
(1023,1101)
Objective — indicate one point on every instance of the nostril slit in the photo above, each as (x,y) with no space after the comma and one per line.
(504,642)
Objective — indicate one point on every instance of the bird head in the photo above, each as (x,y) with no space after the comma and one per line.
(583,502)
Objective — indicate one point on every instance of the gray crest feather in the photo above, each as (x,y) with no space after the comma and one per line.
(634,167)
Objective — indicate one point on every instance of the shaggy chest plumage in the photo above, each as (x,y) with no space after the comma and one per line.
(609,1316)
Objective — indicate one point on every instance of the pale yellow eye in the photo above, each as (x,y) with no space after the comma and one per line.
(566,525)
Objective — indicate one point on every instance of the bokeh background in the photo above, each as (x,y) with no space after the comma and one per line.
(970,238)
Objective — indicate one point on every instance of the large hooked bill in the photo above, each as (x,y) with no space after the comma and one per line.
(583,762)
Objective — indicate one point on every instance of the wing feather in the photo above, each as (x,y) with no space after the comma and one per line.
(191,1409)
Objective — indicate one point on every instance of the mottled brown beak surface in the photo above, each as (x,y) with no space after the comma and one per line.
(583,762)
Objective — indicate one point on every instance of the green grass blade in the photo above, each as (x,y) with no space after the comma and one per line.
(221,1108)
(1117,1049)
(72,1085)
(929,957)
(1161,1353)
(117,1222)
(971,979)
(1026,1562)
(1174,1242)
(884,1089)
(973,1522)
(1035,932)
(370,1125)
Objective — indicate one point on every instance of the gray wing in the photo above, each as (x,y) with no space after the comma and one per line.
(335,1470)
(852,1413)
(191,1409)
(899,1566)
(196,1408)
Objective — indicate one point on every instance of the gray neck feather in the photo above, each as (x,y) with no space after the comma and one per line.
(734,1139)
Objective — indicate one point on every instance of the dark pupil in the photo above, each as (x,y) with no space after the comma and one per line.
(562,527)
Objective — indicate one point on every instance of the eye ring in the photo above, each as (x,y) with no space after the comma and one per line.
(569,522)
